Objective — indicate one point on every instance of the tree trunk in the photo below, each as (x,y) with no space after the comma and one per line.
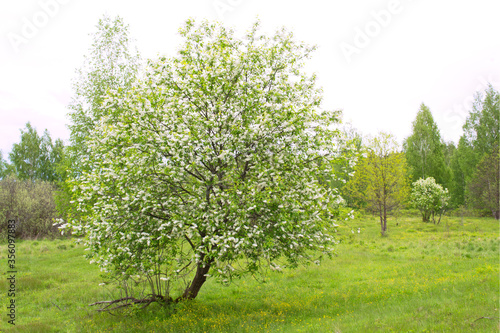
(199,279)
(385,219)
(426,216)
(381,223)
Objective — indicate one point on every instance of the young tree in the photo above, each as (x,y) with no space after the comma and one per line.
(210,165)
(429,198)
(483,187)
(381,178)
(110,65)
(482,127)
(35,157)
(480,138)
(424,149)
(25,155)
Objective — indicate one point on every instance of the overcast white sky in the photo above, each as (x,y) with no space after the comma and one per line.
(378,60)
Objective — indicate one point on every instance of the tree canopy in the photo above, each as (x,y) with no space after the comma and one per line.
(36,157)
(210,164)
(482,127)
(481,138)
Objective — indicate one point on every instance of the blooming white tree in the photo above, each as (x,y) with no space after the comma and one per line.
(211,164)
(430,198)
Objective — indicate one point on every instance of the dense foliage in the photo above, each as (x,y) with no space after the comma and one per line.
(481,138)
(36,157)
(484,186)
(31,204)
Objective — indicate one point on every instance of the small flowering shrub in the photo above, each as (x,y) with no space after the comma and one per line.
(430,198)
(211,165)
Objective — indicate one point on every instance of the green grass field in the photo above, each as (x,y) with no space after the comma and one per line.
(420,278)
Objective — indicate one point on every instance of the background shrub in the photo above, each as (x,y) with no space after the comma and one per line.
(31,204)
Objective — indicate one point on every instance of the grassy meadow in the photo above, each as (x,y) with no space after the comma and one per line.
(420,278)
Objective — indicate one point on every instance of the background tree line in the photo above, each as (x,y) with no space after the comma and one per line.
(380,181)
